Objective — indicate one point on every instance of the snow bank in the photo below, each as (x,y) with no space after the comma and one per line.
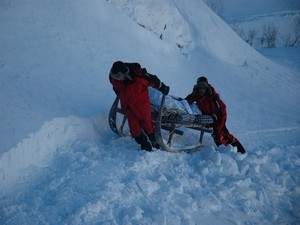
(110,181)
(38,150)
(193,25)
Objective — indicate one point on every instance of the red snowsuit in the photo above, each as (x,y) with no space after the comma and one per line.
(135,100)
(211,104)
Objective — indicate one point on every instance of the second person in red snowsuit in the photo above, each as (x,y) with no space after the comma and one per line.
(130,82)
(210,103)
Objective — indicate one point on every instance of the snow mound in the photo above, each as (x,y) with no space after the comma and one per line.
(107,180)
(191,26)
(160,17)
(38,150)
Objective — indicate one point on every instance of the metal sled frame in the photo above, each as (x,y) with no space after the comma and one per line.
(161,124)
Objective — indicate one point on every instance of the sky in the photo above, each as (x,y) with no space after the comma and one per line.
(60,162)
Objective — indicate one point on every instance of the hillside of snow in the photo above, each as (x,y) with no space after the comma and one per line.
(274,23)
(61,164)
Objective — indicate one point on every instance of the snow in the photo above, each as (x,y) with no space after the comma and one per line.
(238,8)
(248,19)
(60,162)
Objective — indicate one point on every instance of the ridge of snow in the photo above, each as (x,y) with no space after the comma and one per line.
(38,150)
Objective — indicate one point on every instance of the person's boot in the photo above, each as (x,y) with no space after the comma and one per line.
(153,141)
(239,146)
(142,139)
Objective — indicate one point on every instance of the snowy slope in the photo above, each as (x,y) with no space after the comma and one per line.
(285,25)
(248,8)
(61,164)
(252,19)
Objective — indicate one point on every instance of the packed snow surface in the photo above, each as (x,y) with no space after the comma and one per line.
(61,164)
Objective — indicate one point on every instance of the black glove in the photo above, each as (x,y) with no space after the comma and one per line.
(164,89)
(115,90)
(144,71)
(214,117)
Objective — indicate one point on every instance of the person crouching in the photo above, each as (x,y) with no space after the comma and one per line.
(210,103)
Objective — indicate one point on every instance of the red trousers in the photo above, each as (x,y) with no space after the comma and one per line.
(136,125)
(221,134)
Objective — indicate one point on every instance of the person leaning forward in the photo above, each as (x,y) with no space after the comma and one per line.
(130,83)
(210,103)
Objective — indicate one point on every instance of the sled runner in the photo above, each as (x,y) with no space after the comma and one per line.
(167,122)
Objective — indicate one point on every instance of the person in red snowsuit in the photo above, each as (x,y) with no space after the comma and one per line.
(130,82)
(210,103)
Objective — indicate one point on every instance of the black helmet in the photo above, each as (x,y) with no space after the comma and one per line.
(119,66)
(119,71)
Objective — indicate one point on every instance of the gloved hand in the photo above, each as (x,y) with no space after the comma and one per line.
(214,117)
(144,71)
(164,89)
(116,91)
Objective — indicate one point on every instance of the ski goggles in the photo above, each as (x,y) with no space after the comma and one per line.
(121,76)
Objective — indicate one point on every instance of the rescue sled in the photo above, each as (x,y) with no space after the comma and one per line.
(167,124)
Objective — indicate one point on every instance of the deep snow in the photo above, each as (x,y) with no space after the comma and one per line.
(61,164)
